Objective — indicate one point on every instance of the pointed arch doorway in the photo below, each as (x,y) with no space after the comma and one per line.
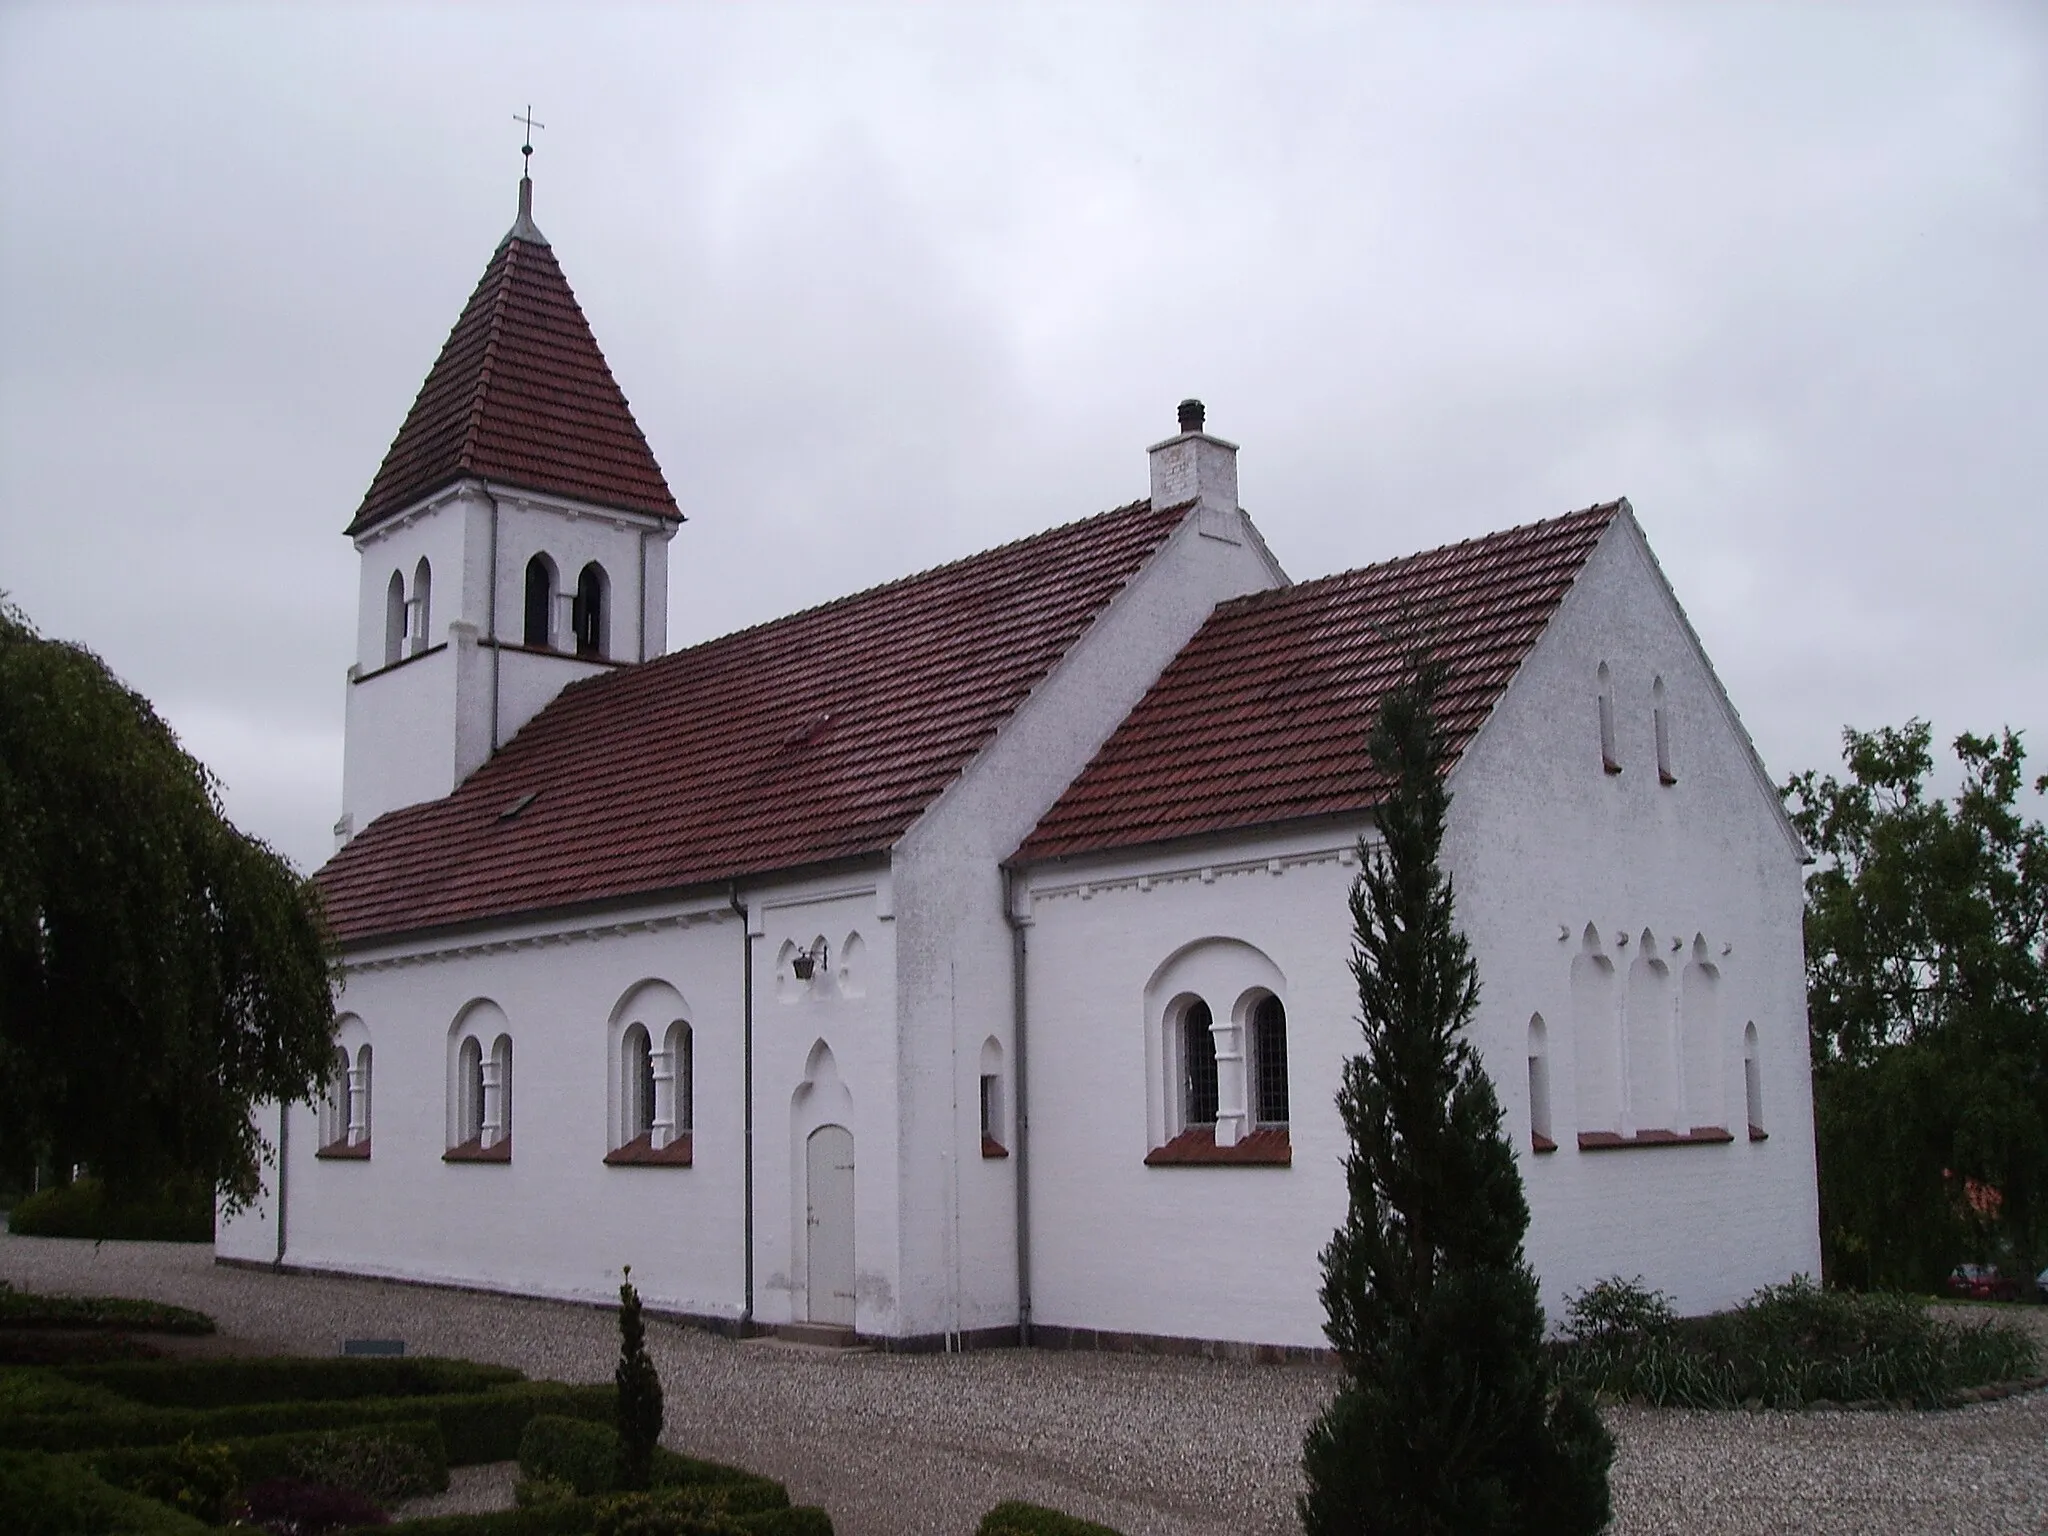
(828,1224)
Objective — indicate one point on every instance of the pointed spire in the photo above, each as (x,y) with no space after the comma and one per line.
(523,227)
(520,395)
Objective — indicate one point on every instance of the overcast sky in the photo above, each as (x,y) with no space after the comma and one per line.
(888,285)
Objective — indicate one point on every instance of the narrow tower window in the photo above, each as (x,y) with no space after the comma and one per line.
(1610,759)
(394,619)
(1661,719)
(591,616)
(540,601)
(420,611)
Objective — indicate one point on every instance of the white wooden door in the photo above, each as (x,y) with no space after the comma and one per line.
(829,1220)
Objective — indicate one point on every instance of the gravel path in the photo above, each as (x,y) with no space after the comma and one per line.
(895,1444)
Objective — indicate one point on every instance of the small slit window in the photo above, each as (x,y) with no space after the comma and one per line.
(1198,1066)
(469,1078)
(419,613)
(1753,1082)
(1660,719)
(334,1108)
(1540,1137)
(636,1065)
(1610,757)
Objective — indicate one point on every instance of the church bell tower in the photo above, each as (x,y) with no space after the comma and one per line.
(514,540)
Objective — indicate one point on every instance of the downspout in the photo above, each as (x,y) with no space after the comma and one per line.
(747,1080)
(1019,1013)
(491,615)
(284,1147)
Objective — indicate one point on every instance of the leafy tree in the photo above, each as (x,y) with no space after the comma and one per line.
(639,1394)
(1449,1418)
(160,972)
(1927,1004)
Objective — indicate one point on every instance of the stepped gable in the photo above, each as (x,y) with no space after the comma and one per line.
(522,396)
(1262,717)
(816,737)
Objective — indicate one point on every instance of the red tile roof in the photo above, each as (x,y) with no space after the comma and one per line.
(816,737)
(1262,717)
(520,395)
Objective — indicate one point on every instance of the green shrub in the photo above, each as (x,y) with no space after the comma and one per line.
(32,1389)
(639,1393)
(194,1479)
(796,1520)
(1013,1518)
(26,1309)
(181,1213)
(1785,1347)
(666,1512)
(385,1462)
(532,1492)
(573,1451)
(570,1517)
(60,1496)
(288,1379)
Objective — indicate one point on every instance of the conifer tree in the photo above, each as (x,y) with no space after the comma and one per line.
(1449,1418)
(639,1387)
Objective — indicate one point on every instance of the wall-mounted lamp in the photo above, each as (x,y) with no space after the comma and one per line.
(804,962)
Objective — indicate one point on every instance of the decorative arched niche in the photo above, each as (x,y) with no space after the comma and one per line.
(419,612)
(651,1061)
(1210,1008)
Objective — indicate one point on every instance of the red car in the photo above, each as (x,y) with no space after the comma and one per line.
(1982,1282)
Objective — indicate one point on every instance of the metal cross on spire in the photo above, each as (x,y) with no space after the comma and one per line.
(526,117)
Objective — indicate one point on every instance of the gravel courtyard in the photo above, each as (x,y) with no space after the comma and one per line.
(900,1444)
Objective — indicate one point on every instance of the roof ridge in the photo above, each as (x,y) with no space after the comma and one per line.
(466,457)
(1315,584)
(1127,509)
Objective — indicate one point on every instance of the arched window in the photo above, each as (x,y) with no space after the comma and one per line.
(1753,1082)
(420,611)
(497,1129)
(359,1101)
(469,1088)
(994,1136)
(652,1057)
(682,1066)
(590,616)
(1595,1041)
(1269,1063)
(1539,1086)
(394,620)
(636,1083)
(1610,755)
(540,602)
(334,1107)
(1197,1065)
(1661,721)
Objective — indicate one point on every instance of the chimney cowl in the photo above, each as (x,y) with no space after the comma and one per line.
(1191,415)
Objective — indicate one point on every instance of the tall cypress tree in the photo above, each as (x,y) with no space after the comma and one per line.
(639,1408)
(1449,1418)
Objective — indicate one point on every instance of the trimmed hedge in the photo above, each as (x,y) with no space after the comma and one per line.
(60,1496)
(287,1379)
(26,1309)
(82,1209)
(476,1427)
(1014,1518)
(263,1458)
(585,1455)
(580,1517)
(39,1390)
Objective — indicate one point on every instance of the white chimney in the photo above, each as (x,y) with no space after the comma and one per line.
(1193,466)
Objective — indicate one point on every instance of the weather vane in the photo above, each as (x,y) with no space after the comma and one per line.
(526,117)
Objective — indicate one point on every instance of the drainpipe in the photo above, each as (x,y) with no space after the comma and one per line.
(284,1147)
(747,1079)
(1019,1013)
(491,615)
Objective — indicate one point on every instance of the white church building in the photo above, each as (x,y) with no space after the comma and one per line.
(967,959)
